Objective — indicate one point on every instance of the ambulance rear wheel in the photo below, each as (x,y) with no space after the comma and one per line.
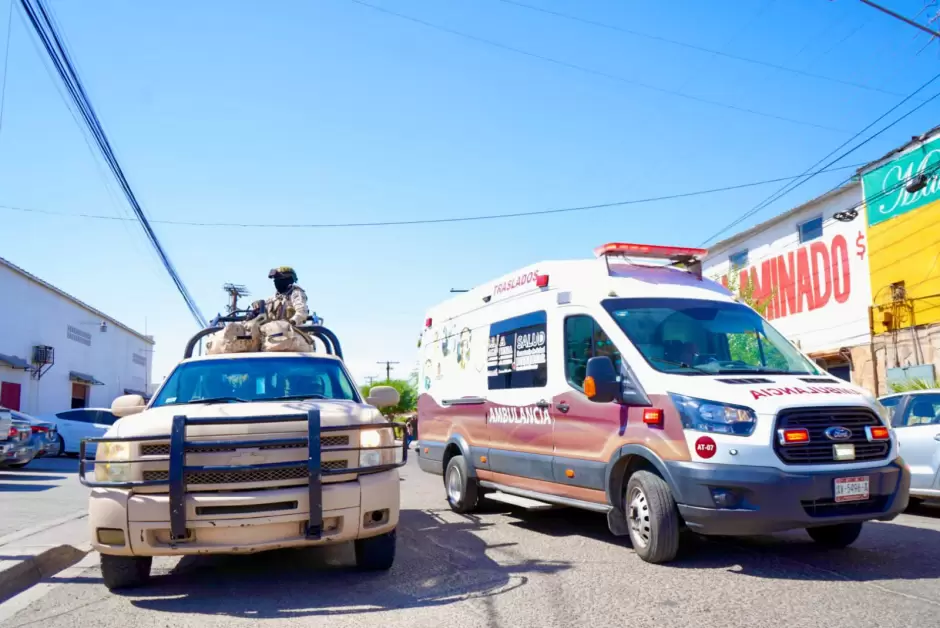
(652,518)
(837,536)
(463,494)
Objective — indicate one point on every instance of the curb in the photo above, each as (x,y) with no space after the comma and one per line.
(32,570)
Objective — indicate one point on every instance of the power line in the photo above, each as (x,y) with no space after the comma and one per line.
(592,71)
(902,18)
(47,31)
(6,64)
(396,223)
(388,368)
(789,187)
(689,46)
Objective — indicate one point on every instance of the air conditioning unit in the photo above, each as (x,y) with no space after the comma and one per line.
(43,354)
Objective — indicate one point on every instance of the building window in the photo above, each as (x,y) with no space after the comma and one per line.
(79,395)
(76,334)
(584,339)
(517,356)
(738,260)
(140,359)
(810,230)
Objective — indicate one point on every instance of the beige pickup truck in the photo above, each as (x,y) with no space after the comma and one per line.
(241,453)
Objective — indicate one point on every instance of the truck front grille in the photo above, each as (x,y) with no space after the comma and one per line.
(819,449)
(163,449)
(248,475)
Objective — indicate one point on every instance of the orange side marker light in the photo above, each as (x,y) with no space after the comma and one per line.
(590,388)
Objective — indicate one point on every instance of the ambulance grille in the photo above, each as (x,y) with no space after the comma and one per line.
(747,380)
(819,449)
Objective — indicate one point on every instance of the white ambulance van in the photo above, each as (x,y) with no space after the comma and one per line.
(630,385)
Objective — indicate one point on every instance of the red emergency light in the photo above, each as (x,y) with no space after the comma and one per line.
(427,323)
(877,432)
(649,250)
(541,281)
(793,436)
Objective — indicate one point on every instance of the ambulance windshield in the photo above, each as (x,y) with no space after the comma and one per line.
(698,337)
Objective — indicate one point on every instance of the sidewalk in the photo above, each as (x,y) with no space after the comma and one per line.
(30,556)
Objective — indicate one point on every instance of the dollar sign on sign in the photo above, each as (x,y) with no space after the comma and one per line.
(860,245)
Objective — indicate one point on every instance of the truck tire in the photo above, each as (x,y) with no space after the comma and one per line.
(652,518)
(125,572)
(837,536)
(463,494)
(376,553)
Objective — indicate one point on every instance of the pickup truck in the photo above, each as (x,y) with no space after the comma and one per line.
(245,452)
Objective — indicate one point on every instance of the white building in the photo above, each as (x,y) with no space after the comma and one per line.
(811,268)
(58,353)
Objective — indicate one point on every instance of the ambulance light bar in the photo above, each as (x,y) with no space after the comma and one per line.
(649,250)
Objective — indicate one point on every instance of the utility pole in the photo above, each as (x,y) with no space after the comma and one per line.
(902,18)
(234,292)
(370,379)
(388,368)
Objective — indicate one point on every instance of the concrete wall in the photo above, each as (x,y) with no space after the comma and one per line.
(899,349)
(33,314)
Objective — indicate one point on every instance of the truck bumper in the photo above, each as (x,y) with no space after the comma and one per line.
(763,500)
(244,522)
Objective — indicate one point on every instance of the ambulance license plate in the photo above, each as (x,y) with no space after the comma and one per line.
(851,489)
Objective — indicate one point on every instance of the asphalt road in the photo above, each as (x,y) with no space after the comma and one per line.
(45,490)
(516,569)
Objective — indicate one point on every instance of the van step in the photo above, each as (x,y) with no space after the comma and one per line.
(515,500)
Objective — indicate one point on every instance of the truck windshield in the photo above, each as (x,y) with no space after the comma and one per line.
(696,337)
(256,379)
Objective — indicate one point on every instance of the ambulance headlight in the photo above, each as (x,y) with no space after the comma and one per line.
(711,416)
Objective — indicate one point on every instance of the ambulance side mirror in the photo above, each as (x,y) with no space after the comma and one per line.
(600,381)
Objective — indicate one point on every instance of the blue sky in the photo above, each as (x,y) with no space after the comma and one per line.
(329,111)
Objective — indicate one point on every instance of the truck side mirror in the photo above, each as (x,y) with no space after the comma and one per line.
(383,397)
(127,405)
(600,381)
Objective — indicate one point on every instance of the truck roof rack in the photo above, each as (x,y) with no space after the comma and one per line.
(326,336)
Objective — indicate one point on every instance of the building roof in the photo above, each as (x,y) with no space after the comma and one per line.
(743,235)
(917,139)
(81,304)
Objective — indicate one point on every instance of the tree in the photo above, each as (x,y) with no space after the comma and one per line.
(913,384)
(747,347)
(407,391)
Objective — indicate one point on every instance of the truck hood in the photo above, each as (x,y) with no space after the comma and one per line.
(158,421)
(768,394)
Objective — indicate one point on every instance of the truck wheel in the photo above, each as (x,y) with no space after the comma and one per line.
(652,518)
(376,553)
(19,465)
(837,536)
(125,572)
(463,494)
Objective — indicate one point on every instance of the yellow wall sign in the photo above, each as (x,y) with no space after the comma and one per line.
(904,237)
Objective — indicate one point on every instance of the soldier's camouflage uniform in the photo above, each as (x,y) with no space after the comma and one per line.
(291,306)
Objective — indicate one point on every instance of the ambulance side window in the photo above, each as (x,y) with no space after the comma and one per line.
(584,339)
(516,356)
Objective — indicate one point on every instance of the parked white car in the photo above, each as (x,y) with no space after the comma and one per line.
(78,424)
(915,417)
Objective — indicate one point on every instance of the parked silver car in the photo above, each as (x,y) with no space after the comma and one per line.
(915,417)
(42,440)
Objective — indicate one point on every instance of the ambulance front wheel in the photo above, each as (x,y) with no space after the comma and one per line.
(652,518)
(463,494)
(837,536)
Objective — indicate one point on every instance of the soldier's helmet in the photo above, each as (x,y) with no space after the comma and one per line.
(283,272)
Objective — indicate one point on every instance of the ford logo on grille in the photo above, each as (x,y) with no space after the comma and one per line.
(838,433)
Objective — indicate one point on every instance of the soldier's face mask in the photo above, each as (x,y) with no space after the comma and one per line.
(282,284)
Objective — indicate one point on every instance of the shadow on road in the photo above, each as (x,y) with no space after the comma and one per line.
(24,476)
(25,488)
(885,551)
(439,562)
(54,465)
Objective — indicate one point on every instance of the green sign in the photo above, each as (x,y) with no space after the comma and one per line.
(885,190)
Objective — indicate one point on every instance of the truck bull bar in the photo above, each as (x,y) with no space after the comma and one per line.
(179,470)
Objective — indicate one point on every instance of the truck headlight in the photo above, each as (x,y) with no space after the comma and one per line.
(108,465)
(711,416)
(370,439)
